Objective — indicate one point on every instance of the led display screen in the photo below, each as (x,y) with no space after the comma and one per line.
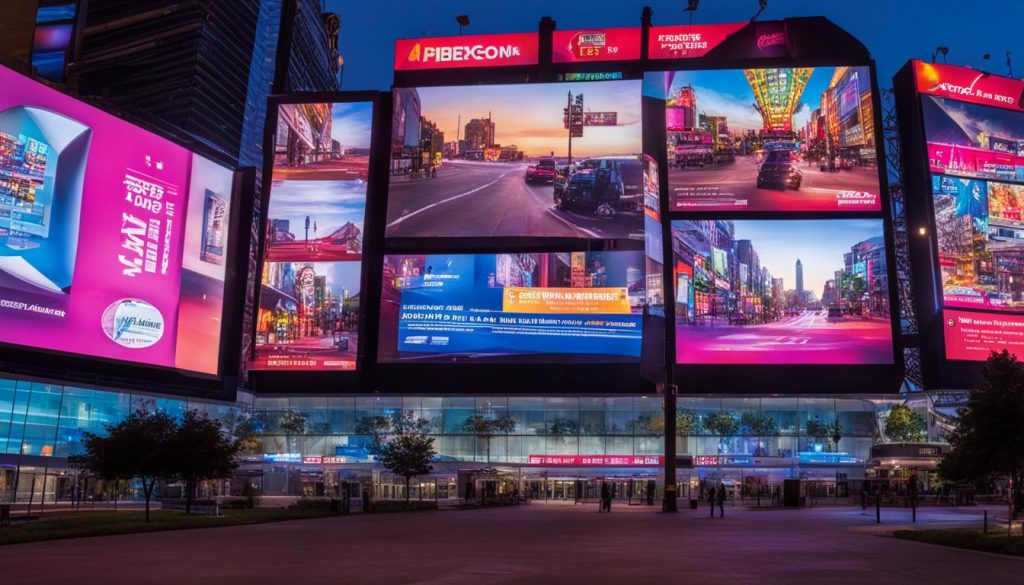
(777,139)
(308,314)
(976,157)
(781,292)
(533,308)
(113,241)
(497,160)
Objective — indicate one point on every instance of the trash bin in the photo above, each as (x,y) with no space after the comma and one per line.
(693,504)
(5,514)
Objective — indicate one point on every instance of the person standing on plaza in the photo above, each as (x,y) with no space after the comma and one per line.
(605,497)
(721,500)
(711,500)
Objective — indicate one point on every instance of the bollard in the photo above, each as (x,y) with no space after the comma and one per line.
(913,514)
(878,509)
(984,529)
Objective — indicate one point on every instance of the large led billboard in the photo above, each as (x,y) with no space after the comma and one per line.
(498,160)
(308,317)
(976,161)
(795,139)
(526,308)
(113,240)
(781,292)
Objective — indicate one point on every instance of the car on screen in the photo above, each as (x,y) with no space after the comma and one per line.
(541,172)
(604,185)
(779,168)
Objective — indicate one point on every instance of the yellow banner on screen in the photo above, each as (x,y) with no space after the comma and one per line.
(569,301)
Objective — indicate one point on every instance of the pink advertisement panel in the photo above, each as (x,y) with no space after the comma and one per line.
(93,214)
(973,336)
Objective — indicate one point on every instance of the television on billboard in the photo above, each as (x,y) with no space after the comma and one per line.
(525,308)
(113,240)
(797,139)
(774,292)
(534,160)
(308,314)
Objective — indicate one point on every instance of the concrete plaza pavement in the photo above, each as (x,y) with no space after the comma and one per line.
(539,543)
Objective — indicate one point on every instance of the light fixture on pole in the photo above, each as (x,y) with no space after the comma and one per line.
(941,49)
(762,4)
(463,20)
(691,5)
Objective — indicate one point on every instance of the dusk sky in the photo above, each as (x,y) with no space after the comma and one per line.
(893,30)
(530,116)
(819,244)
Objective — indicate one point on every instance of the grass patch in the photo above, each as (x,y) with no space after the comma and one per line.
(78,524)
(969,539)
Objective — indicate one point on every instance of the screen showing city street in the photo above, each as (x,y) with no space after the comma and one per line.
(776,139)
(318,192)
(781,292)
(976,155)
(541,160)
(308,316)
(543,307)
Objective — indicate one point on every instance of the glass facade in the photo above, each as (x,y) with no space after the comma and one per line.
(303,437)
(42,424)
(578,425)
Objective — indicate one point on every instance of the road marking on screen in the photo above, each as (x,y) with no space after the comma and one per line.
(572,225)
(443,201)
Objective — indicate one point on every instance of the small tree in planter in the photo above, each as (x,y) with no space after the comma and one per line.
(293,424)
(904,424)
(824,431)
(408,454)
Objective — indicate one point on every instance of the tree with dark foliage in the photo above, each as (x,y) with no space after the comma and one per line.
(988,440)
(201,450)
(138,446)
(409,452)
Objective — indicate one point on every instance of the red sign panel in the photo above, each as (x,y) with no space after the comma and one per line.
(969,85)
(466,51)
(687,41)
(972,336)
(605,44)
(597,460)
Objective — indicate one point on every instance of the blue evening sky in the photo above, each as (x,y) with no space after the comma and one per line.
(893,30)
(351,124)
(819,244)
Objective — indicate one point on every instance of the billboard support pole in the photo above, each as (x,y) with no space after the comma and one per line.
(670,503)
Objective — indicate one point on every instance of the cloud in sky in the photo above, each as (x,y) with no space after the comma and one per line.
(351,123)
(330,203)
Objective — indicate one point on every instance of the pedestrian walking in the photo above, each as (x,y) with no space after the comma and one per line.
(721,500)
(604,498)
(711,500)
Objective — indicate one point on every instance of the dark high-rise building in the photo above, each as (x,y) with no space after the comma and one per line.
(202,69)
(799,277)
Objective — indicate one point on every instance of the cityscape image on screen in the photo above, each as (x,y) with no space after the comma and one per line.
(498,160)
(781,292)
(778,139)
(308,317)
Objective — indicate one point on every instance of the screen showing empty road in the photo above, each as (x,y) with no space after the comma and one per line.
(308,315)
(781,292)
(535,160)
(526,308)
(777,139)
